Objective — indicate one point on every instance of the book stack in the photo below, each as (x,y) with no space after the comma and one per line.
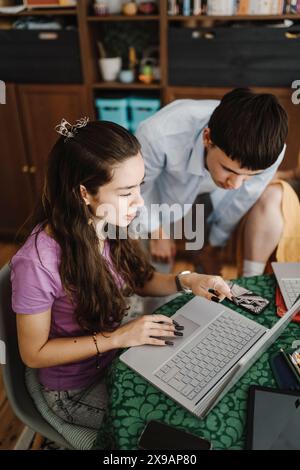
(261,7)
(233,7)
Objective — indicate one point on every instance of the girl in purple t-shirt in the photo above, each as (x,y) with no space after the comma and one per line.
(71,277)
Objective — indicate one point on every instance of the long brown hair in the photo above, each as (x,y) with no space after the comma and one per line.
(87,159)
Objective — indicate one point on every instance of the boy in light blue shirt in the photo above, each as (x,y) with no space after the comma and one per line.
(229,149)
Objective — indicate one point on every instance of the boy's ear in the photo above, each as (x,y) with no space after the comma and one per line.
(206,137)
(84,194)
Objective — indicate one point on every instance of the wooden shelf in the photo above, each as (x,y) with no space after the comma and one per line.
(235,18)
(43,12)
(126,86)
(123,18)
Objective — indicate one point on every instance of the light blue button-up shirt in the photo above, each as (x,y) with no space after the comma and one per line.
(173,151)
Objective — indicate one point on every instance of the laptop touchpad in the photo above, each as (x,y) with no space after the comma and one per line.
(189,325)
(200,311)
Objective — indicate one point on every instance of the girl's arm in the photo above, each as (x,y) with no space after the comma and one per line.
(164,284)
(38,351)
(159,286)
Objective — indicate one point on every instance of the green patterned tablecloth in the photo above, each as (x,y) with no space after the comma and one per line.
(134,401)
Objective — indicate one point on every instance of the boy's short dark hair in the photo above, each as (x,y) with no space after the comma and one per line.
(250,128)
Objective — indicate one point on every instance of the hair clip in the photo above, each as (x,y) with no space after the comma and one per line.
(69,130)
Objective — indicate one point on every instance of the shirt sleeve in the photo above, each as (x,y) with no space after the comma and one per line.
(235,204)
(33,286)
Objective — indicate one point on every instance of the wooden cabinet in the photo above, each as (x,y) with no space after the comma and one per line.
(283,94)
(27,134)
(16,193)
(42,108)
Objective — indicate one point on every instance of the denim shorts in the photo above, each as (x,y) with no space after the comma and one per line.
(84,406)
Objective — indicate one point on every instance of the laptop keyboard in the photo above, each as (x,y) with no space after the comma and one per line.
(198,364)
(292,290)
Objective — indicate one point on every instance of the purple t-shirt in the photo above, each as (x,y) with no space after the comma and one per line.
(36,288)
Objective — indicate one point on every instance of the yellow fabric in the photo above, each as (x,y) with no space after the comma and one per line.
(288,249)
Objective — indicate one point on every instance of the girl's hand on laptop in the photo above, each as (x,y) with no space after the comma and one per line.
(211,287)
(147,329)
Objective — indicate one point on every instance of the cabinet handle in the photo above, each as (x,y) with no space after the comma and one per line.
(32,169)
(25,169)
(292,35)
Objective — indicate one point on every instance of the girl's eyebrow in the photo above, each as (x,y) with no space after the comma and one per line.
(131,187)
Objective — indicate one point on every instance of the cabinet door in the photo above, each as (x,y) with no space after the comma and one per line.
(16,196)
(43,107)
(283,94)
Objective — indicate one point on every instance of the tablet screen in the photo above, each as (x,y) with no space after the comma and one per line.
(273,419)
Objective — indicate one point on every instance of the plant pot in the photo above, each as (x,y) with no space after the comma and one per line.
(110,68)
(126,76)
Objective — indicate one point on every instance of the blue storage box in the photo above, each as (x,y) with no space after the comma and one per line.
(113,109)
(141,109)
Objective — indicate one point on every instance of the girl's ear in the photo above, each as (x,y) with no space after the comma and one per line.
(84,194)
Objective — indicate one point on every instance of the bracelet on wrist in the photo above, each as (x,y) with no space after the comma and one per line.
(98,353)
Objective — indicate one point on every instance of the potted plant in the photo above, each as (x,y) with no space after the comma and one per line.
(127,43)
(109,64)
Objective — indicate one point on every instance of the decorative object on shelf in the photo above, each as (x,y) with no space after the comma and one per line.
(127,75)
(197,8)
(147,8)
(130,8)
(221,7)
(149,66)
(109,66)
(173,8)
(121,39)
(114,7)
(68,3)
(186,7)
(101,8)
(146,75)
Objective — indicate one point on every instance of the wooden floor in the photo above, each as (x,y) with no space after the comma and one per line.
(10,426)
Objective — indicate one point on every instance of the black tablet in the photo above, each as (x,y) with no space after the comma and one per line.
(273,419)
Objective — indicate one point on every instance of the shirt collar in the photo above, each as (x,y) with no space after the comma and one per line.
(196,164)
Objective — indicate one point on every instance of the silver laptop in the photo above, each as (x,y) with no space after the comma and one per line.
(288,278)
(218,347)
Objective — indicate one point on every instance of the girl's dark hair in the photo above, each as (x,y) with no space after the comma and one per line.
(88,159)
(250,128)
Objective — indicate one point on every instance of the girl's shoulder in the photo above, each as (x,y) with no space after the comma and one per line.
(35,275)
(40,249)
